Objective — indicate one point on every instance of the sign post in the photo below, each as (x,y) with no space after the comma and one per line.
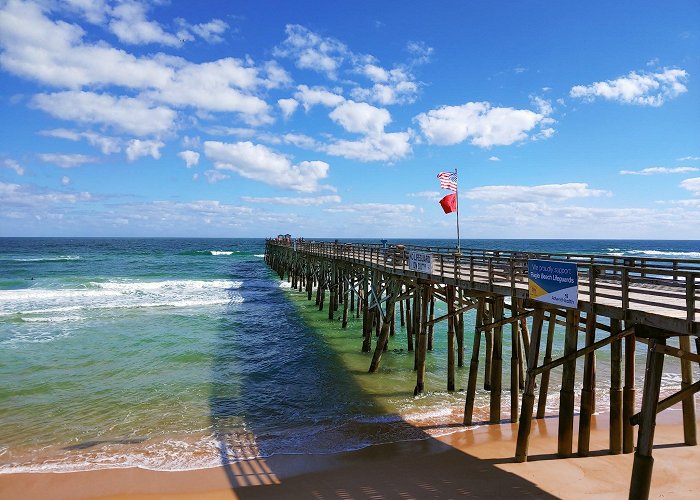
(553,282)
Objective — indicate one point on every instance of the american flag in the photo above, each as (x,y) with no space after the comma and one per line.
(448,180)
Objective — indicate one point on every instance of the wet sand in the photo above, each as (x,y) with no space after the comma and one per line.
(469,462)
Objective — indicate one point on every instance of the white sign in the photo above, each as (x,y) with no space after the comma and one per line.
(421,262)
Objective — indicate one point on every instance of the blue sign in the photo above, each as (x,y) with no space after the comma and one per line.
(553,282)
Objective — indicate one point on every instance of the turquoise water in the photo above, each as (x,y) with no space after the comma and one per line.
(186,353)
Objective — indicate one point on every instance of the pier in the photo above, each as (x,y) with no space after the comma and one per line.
(626,303)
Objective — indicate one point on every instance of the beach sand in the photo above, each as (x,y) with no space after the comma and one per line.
(469,462)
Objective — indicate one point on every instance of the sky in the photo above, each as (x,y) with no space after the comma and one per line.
(332,119)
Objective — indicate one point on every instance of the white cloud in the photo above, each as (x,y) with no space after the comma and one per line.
(130,25)
(55,53)
(485,125)
(257,162)
(304,202)
(385,209)
(494,158)
(12,165)
(689,158)
(214,176)
(646,89)
(137,148)
(301,141)
(211,31)
(65,180)
(309,97)
(67,160)
(219,86)
(127,114)
(659,170)
(107,145)
(360,117)
(312,51)
(288,106)
(395,86)
(420,52)
(376,147)
(430,195)
(26,196)
(191,158)
(692,185)
(534,194)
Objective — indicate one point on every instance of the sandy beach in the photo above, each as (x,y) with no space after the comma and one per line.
(470,462)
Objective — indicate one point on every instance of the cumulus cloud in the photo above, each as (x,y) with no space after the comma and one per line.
(136,148)
(386,209)
(191,158)
(130,25)
(12,165)
(67,160)
(494,158)
(689,158)
(645,89)
(212,31)
(659,170)
(127,114)
(288,106)
(107,145)
(480,122)
(65,180)
(360,117)
(303,202)
(257,162)
(692,185)
(377,147)
(395,86)
(309,97)
(312,51)
(420,52)
(534,193)
(56,54)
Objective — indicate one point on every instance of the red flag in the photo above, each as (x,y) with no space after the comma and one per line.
(449,203)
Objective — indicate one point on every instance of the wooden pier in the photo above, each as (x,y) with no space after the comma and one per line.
(622,302)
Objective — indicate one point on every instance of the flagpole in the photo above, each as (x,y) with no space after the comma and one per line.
(457,203)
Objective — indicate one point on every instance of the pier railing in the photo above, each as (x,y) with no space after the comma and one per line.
(638,287)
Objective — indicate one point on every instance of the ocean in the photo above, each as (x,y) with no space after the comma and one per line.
(177,354)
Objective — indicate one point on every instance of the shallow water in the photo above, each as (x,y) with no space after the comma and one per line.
(176,354)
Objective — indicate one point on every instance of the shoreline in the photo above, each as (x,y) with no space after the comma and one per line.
(471,461)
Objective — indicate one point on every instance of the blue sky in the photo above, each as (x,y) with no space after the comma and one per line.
(332,119)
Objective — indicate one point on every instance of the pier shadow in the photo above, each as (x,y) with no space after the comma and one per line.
(282,402)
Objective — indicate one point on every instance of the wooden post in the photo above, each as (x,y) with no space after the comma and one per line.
(346,291)
(640,483)
(587,393)
(514,362)
(409,322)
(474,366)
(544,381)
(366,316)
(497,363)
(488,318)
(422,344)
(689,425)
(566,395)
(430,327)
(333,291)
(525,423)
(459,326)
(416,324)
(451,320)
(628,395)
(403,319)
(615,390)
(383,339)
